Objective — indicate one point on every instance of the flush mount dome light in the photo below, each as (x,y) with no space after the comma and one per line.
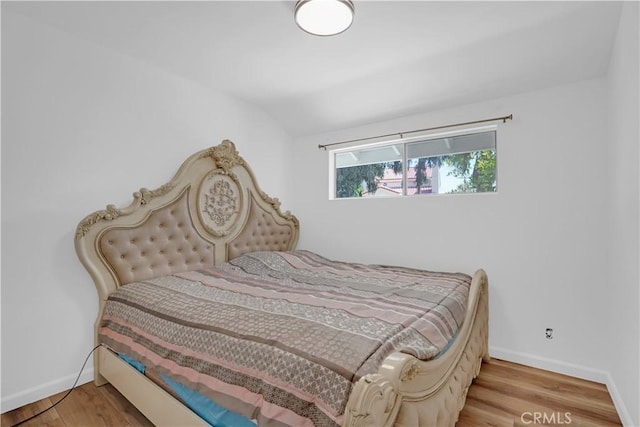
(324,17)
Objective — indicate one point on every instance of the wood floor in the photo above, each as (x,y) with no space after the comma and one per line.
(504,394)
(508,394)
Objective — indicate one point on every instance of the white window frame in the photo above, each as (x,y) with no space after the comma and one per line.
(401,140)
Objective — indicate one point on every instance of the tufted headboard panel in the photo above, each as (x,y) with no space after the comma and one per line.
(165,242)
(263,232)
(211,211)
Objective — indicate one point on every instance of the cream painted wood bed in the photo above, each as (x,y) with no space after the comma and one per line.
(212,211)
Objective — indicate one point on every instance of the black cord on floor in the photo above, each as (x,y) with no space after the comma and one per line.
(67,394)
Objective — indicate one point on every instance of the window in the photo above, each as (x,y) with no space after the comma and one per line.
(452,163)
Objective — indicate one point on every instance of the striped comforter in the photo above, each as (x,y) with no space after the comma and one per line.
(281,337)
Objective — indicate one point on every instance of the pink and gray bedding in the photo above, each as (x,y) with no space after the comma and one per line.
(281,337)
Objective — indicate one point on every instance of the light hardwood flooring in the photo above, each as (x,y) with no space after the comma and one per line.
(508,394)
(504,394)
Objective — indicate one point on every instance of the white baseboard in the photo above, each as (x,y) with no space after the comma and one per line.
(624,414)
(550,365)
(571,369)
(8,403)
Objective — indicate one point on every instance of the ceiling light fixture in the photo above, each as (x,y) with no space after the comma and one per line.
(324,17)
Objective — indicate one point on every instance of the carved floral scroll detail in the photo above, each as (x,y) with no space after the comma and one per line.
(141,197)
(221,202)
(147,195)
(371,403)
(105,215)
(275,203)
(224,155)
(410,371)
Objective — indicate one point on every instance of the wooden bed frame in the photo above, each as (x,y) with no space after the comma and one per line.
(212,211)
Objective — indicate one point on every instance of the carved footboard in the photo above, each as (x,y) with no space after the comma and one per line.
(407,392)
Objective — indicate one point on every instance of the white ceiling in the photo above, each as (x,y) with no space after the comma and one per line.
(398,57)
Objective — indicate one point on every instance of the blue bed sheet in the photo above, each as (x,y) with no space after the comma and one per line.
(208,410)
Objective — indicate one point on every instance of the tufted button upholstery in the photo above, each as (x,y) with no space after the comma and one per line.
(261,233)
(164,244)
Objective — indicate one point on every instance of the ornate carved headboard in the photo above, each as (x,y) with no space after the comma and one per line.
(211,211)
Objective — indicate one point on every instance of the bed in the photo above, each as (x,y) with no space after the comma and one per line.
(211,254)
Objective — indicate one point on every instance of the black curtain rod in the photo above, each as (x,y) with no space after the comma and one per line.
(503,118)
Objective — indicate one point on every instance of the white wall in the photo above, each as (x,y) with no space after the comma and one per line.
(542,238)
(623,198)
(82,127)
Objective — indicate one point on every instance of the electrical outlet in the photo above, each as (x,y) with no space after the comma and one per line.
(548,333)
